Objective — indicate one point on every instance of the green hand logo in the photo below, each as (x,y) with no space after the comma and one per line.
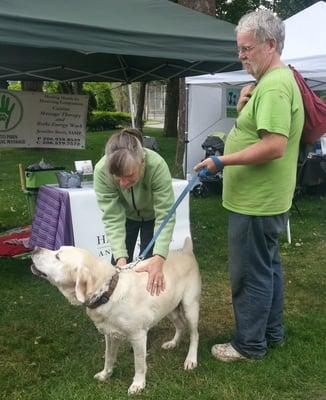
(6,109)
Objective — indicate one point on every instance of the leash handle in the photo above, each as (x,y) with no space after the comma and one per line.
(185,191)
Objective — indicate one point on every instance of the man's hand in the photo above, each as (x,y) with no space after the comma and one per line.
(207,163)
(154,267)
(245,95)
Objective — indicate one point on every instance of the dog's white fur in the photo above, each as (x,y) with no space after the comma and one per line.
(131,310)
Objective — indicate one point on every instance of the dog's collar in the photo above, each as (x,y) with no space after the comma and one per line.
(104,297)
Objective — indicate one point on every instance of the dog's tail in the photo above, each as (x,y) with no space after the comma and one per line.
(187,246)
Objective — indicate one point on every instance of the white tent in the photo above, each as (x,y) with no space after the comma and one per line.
(305,42)
(304,48)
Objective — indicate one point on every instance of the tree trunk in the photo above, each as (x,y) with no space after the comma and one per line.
(207,7)
(65,87)
(140,106)
(77,88)
(71,87)
(32,86)
(120,97)
(204,6)
(171,108)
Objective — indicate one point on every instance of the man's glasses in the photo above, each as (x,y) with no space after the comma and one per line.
(245,49)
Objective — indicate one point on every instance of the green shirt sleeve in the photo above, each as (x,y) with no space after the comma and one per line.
(114,216)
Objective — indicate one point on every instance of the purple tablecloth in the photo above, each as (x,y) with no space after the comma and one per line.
(52,226)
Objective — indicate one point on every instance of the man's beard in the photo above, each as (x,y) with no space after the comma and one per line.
(248,66)
(251,68)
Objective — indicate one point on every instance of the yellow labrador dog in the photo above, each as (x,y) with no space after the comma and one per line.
(119,304)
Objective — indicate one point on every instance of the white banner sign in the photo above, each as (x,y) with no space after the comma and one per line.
(232,98)
(32,119)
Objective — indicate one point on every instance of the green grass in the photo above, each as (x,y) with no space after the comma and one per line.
(50,350)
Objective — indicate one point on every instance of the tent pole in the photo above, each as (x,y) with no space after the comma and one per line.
(186,132)
(132,112)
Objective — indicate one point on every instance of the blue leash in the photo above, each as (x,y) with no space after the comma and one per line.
(202,173)
(185,191)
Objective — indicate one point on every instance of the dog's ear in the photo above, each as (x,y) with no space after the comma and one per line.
(84,284)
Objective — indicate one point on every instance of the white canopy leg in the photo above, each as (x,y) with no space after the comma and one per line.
(132,111)
(288,231)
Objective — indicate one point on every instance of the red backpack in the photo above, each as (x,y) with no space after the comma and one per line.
(314,109)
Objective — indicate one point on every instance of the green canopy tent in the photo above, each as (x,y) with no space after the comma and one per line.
(110,40)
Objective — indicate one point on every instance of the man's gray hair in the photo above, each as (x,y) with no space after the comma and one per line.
(265,25)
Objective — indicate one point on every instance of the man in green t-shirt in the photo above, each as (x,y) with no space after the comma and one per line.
(260,160)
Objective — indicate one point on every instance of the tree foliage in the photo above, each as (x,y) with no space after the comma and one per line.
(286,9)
(233,10)
(103,95)
(15,85)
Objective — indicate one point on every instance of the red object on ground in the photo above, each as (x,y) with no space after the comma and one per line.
(12,242)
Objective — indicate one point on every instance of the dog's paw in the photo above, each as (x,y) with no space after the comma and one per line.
(190,364)
(136,387)
(169,345)
(103,375)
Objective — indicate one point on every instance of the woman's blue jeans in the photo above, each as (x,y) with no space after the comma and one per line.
(256,281)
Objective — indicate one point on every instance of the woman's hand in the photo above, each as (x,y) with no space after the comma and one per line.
(121,262)
(154,267)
